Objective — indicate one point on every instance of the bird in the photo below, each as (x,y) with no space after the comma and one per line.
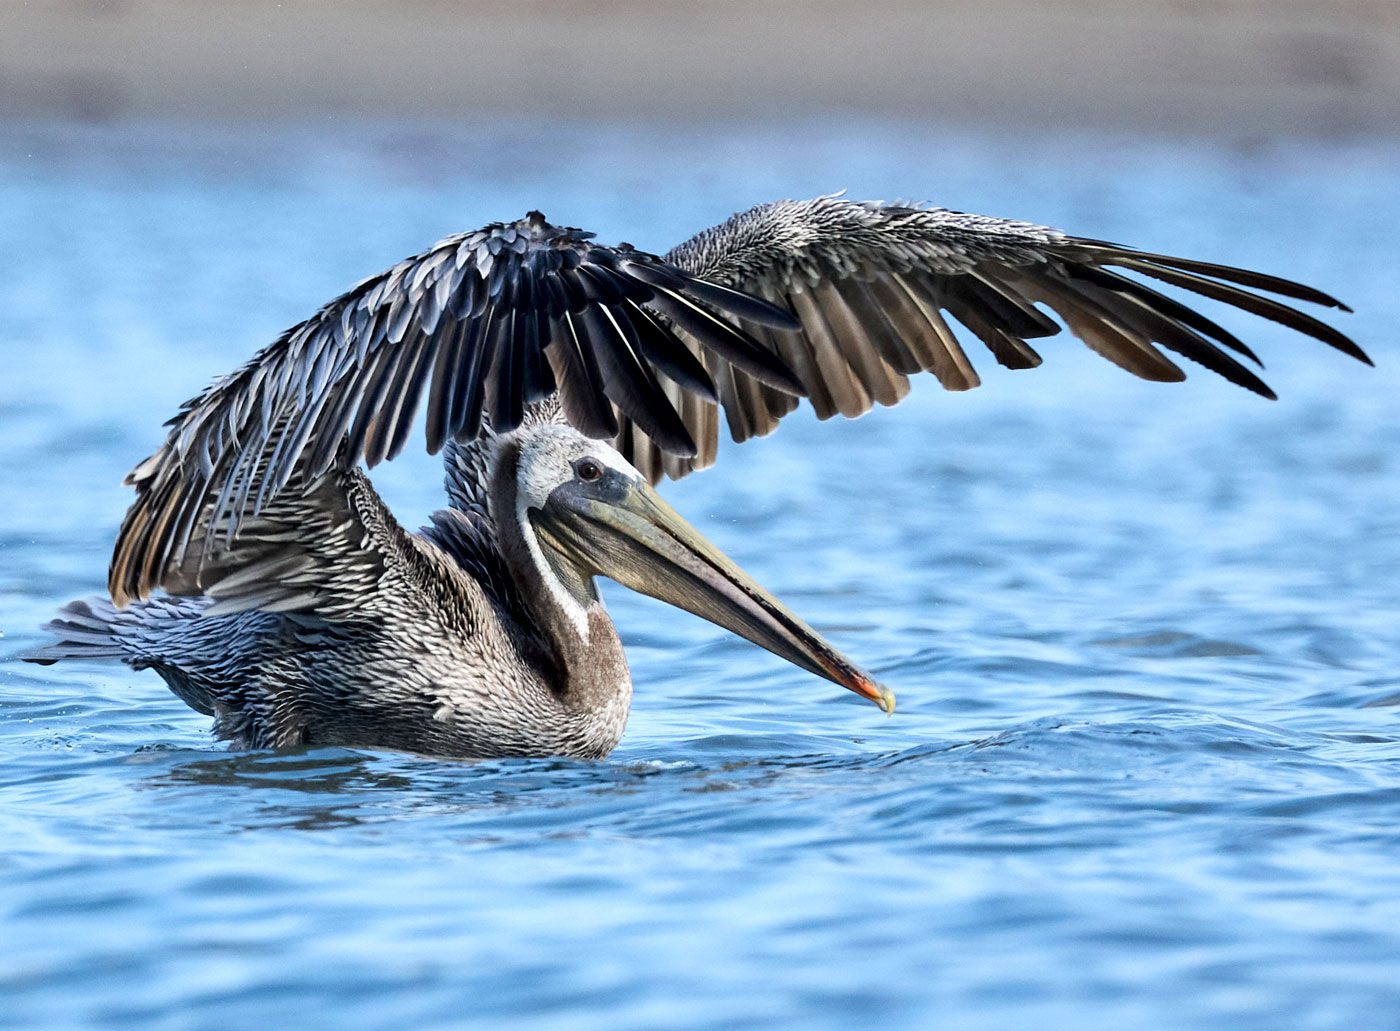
(261,576)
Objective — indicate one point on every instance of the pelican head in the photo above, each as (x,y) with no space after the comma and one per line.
(594,514)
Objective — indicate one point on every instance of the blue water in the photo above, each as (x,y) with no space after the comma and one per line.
(1145,772)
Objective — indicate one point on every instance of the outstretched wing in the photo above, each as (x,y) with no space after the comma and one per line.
(482,324)
(872,285)
(642,349)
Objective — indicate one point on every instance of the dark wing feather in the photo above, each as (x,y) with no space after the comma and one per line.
(871,285)
(481,325)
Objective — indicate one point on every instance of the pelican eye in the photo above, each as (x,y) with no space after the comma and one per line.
(588,470)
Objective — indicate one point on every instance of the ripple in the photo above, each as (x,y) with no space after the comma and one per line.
(1178,644)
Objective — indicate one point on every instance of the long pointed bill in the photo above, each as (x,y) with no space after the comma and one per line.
(643,543)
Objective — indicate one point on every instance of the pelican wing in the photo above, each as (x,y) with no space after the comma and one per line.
(480,325)
(877,288)
(322,545)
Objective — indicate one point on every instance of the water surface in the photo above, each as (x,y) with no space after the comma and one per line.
(1145,770)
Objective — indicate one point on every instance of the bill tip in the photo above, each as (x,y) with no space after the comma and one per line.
(886,701)
(881,696)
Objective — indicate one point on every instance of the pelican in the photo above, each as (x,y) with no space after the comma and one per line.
(258,572)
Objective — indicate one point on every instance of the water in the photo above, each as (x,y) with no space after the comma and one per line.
(1145,770)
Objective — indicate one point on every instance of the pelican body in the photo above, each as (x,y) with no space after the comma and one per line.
(482,636)
(261,575)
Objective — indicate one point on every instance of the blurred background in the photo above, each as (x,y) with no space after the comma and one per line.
(1145,771)
(1243,68)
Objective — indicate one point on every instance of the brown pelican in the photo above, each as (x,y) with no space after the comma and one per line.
(297,611)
